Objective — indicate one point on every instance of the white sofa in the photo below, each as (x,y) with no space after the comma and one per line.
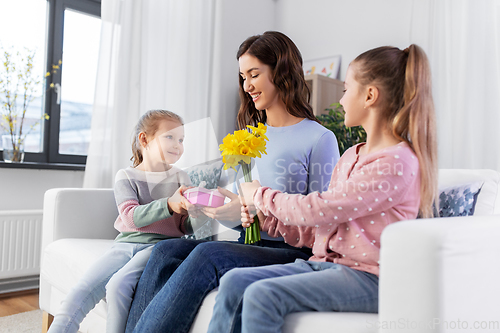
(437,275)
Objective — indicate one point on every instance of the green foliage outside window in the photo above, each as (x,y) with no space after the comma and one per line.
(19,86)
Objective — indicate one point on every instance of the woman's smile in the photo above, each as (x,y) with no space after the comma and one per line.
(255,97)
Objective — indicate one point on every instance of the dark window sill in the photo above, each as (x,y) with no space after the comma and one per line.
(43,166)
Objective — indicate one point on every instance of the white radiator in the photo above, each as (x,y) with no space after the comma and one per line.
(20,243)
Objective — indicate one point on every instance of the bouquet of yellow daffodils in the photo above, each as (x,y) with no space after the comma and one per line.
(239,148)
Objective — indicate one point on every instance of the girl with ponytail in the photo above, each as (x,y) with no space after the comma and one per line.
(151,208)
(407,108)
(391,177)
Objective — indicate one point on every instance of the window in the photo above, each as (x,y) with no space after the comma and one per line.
(65,34)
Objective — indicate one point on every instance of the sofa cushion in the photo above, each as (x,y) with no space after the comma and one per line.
(66,260)
(459,200)
(488,199)
(344,322)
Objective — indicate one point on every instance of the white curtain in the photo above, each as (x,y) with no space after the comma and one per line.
(462,41)
(155,54)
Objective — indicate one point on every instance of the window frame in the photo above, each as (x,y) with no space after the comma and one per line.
(50,156)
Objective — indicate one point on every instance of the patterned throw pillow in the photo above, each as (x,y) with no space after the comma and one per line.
(459,200)
(209,173)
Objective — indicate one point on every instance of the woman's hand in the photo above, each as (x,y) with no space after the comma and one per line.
(193,210)
(227,212)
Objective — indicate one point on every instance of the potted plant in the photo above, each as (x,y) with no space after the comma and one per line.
(18,88)
(346,136)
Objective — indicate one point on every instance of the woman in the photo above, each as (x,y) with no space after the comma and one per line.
(388,93)
(300,157)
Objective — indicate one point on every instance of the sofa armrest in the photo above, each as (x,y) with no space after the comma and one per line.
(439,274)
(78,213)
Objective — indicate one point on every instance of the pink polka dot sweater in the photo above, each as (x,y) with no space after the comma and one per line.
(343,225)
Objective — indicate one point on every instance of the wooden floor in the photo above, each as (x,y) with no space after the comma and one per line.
(18,302)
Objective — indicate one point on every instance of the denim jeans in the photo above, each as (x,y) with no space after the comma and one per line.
(181,272)
(115,276)
(258,299)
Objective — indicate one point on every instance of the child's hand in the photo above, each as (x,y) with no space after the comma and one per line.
(247,192)
(178,203)
(247,218)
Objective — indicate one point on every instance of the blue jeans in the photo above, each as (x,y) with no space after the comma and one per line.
(181,272)
(115,276)
(258,299)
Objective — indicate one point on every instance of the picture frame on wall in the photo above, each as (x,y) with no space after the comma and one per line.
(327,66)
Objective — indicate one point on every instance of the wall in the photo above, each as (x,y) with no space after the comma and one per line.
(319,28)
(323,28)
(235,21)
(24,188)
(461,42)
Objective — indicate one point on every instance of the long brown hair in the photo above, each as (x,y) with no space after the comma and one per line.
(276,50)
(149,123)
(405,78)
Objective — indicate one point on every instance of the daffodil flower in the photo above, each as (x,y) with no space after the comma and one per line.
(260,130)
(239,148)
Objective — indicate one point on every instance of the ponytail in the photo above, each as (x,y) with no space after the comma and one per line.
(405,78)
(416,124)
(136,149)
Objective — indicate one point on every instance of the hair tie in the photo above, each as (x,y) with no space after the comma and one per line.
(407,50)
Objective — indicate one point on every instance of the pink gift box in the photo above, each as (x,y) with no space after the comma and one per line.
(203,197)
